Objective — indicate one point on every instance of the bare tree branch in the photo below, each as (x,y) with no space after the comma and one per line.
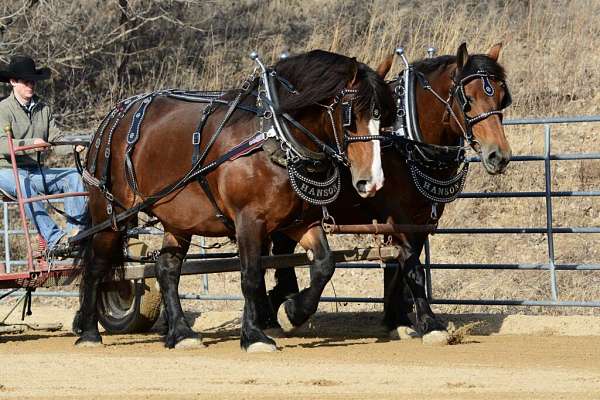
(123,58)
(99,48)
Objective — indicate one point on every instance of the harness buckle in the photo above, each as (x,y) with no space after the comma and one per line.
(246,85)
(196,138)
(327,222)
(376,114)
(293,158)
(270,133)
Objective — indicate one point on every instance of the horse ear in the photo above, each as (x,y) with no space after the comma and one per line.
(461,56)
(385,66)
(494,52)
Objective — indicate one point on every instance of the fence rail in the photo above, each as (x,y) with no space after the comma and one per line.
(549,230)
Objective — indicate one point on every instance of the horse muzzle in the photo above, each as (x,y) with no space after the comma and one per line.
(368,187)
(495,160)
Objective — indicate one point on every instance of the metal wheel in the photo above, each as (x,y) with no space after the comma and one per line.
(129,306)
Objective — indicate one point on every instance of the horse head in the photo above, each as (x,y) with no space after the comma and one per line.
(351,97)
(478,95)
(372,108)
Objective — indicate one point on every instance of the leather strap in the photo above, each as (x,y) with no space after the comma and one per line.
(219,213)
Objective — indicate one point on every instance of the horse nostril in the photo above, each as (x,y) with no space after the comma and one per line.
(498,159)
(494,157)
(362,185)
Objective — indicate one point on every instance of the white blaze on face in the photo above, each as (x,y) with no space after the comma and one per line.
(376,168)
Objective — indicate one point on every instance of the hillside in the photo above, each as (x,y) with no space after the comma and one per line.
(102,51)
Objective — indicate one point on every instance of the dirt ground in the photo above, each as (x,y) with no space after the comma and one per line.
(338,356)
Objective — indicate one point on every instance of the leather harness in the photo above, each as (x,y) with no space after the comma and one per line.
(198,170)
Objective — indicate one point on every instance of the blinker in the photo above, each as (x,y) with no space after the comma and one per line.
(346,113)
(462,98)
(507,99)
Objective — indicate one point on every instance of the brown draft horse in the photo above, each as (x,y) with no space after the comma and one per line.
(400,202)
(251,191)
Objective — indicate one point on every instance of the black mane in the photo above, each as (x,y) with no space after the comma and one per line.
(429,65)
(317,75)
(320,75)
(374,91)
(475,62)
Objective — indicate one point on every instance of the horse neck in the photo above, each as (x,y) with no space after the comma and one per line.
(434,120)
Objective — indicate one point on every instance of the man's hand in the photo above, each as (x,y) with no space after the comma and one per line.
(79,148)
(41,141)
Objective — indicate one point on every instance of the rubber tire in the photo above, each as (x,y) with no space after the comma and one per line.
(129,306)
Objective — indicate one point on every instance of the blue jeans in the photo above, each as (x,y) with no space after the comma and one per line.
(58,180)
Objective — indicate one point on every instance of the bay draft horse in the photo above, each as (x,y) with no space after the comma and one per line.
(463,103)
(251,192)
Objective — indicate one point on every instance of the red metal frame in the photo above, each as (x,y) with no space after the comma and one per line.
(20,202)
(39,270)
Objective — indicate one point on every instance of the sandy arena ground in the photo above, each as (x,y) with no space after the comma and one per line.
(343,356)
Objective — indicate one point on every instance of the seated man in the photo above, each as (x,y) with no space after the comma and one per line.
(32,122)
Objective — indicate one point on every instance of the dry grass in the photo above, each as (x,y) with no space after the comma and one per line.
(460,335)
(550,52)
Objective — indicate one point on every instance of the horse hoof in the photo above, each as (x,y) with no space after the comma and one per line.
(436,338)
(260,347)
(274,333)
(86,343)
(403,333)
(190,343)
(284,320)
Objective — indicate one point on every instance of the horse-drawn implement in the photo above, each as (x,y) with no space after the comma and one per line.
(313,115)
(129,299)
(45,270)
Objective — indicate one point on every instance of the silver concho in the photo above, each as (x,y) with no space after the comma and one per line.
(487,86)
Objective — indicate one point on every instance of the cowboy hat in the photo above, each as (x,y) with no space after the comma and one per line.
(23,67)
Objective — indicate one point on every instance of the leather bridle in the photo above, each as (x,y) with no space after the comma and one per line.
(457,91)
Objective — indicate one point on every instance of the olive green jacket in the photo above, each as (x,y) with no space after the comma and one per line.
(25,129)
